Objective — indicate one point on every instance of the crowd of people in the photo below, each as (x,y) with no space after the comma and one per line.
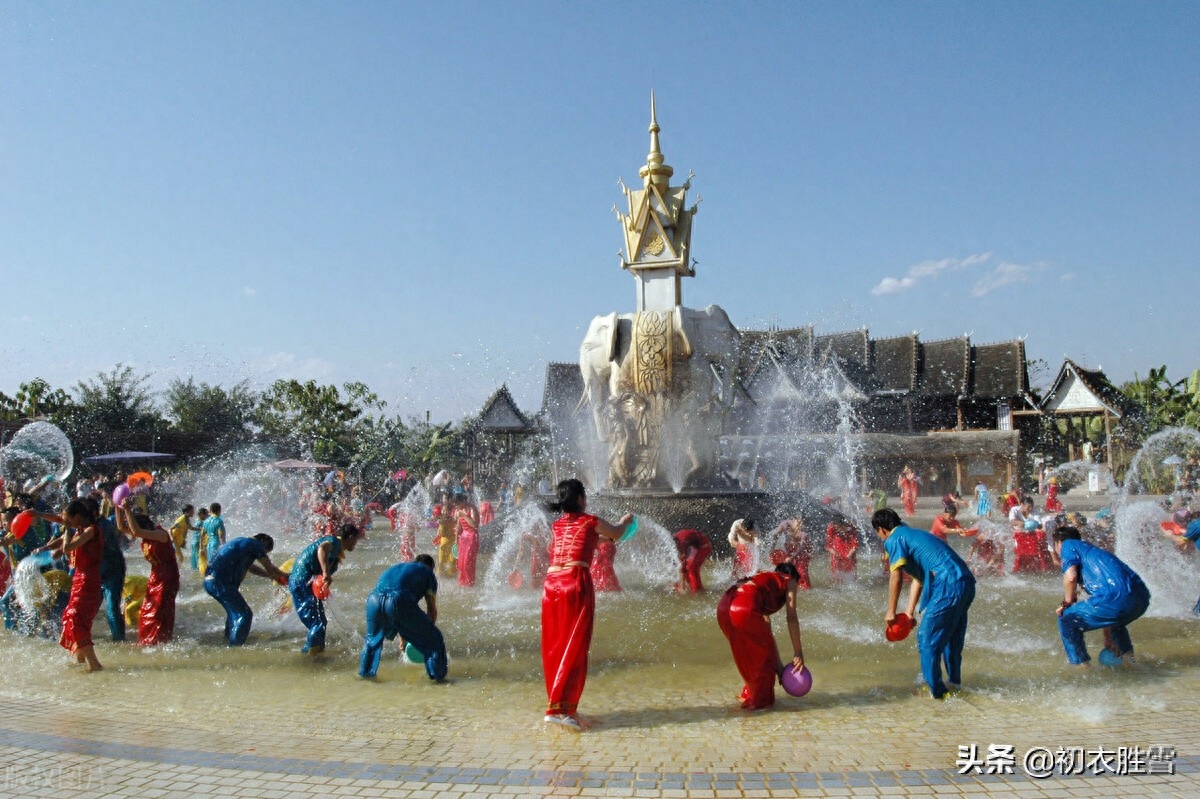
(78,548)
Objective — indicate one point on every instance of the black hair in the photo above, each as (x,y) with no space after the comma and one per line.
(84,509)
(1067,533)
(266,540)
(215,509)
(188,508)
(349,530)
(789,569)
(425,560)
(571,495)
(748,523)
(885,519)
(143,521)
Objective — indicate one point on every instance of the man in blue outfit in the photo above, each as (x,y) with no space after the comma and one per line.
(945,586)
(224,577)
(1116,596)
(320,558)
(392,610)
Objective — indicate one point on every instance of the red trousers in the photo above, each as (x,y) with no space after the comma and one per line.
(568,610)
(157,622)
(743,562)
(82,606)
(801,564)
(753,646)
(691,567)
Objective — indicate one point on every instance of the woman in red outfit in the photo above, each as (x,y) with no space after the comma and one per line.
(604,573)
(841,542)
(467,520)
(569,601)
(83,541)
(798,548)
(742,614)
(908,490)
(156,623)
(694,548)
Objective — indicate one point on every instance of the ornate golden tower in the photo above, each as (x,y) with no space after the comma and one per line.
(658,231)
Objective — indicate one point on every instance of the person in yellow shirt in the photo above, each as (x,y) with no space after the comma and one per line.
(180,529)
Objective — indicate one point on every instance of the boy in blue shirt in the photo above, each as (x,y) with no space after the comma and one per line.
(1116,596)
(392,610)
(942,582)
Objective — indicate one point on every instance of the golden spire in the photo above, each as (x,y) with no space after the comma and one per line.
(655,171)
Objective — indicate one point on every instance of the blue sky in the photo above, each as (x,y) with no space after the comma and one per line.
(418,196)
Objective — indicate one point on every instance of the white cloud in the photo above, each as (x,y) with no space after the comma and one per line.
(1003,275)
(249,291)
(927,269)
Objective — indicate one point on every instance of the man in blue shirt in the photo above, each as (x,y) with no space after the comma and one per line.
(1116,596)
(321,559)
(392,610)
(945,586)
(224,577)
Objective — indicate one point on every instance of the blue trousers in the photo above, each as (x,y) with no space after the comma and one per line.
(390,614)
(1093,614)
(238,615)
(312,614)
(112,586)
(942,634)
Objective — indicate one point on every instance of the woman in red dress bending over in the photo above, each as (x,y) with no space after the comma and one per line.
(83,541)
(569,600)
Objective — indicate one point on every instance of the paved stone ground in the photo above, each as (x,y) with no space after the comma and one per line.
(902,745)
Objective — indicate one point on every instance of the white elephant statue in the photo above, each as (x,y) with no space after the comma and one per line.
(658,385)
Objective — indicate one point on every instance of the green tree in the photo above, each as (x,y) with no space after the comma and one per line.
(318,419)
(1164,402)
(33,399)
(113,402)
(201,408)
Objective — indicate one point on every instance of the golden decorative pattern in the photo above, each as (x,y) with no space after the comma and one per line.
(656,245)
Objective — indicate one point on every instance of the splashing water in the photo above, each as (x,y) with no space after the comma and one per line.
(38,452)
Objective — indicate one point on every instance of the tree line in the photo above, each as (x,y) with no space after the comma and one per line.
(345,426)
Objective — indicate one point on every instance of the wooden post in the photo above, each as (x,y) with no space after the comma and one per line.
(1108,440)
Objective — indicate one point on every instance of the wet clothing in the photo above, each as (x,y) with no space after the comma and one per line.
(983,500)
(604,573)
(908,495)
(742,615)
(947,590)
(568,611)
(1116,597)
(842,542)
(214,535)
(468,548)
(179,534)
(112,578)
(694,548)
(1192,533)
(310,609)
(84,600)
(157,622)
(223,579)
(942,527)
(743,551)
(393,609)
